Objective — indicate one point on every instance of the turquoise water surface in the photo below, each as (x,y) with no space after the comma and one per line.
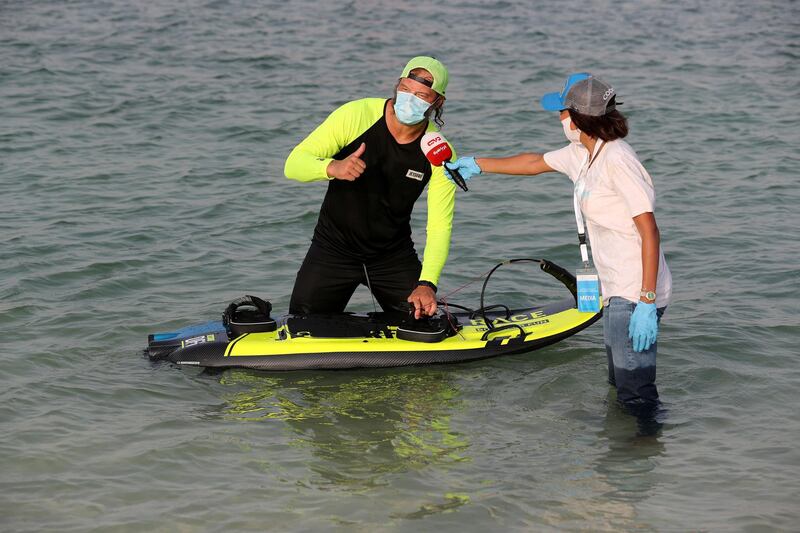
(141,189)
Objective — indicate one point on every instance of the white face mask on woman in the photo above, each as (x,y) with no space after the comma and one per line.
(572,135)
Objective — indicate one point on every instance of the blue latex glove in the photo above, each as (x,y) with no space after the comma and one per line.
(466,166)
(643,328)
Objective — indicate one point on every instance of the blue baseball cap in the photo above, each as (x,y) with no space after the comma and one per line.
(558,101)
(584,93)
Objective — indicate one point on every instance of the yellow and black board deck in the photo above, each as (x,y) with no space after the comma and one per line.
(284,349)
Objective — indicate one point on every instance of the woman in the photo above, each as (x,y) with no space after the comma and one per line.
(616,198)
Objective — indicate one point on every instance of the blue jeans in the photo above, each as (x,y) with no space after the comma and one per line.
(632,373)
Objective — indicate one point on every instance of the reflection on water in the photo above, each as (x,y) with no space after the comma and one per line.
(451,502)
(624,469)
(606,491)
(358,426)
(630,455)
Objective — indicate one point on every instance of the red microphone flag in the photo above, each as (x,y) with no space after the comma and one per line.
(435,148)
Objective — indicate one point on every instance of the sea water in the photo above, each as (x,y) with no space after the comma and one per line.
(141,189)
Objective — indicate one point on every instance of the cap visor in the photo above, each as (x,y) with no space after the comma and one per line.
(552,102)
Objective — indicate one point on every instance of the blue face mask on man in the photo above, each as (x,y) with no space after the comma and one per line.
(409,108)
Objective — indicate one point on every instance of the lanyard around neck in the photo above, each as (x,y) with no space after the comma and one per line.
(577,204)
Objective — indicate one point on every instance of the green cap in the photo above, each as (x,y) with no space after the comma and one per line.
(434,66)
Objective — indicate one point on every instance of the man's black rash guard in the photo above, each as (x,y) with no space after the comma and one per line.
(371,216)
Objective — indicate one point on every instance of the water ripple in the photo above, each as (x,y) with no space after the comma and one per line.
(141,170)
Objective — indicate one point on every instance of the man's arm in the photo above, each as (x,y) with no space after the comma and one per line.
(312,159)
(441,205)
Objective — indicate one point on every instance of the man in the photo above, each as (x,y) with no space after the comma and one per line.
(368,151)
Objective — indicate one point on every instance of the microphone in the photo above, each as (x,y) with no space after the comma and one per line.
(436,149)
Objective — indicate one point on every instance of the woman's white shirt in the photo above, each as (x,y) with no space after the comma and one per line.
(611,192)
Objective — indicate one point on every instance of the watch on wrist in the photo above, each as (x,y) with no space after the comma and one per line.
(423,283)
(648,295)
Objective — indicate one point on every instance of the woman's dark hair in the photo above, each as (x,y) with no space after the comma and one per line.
(609,127)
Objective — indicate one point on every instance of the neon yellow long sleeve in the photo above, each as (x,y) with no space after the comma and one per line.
(441,206)
(310,159)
